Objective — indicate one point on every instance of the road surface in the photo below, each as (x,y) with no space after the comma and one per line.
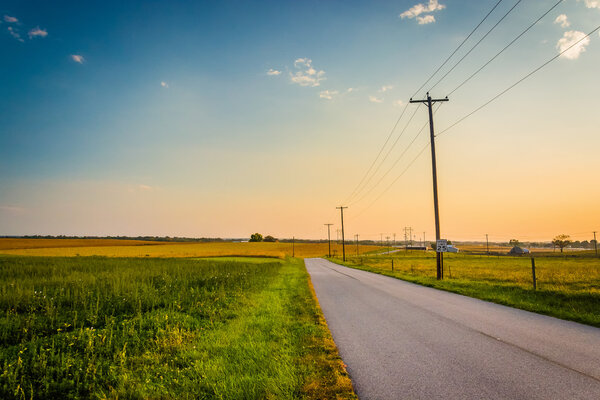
(405,341)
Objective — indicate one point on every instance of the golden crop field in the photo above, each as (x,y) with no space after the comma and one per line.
(19,243)
(170,249)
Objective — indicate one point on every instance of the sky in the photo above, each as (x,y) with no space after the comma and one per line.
(224,118)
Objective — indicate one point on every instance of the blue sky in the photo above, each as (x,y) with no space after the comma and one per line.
(206,118)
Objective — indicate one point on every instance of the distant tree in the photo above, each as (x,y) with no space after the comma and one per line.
(562,241)
(514,242)
(270,239)
(256,237)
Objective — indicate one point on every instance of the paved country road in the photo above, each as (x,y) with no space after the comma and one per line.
(405,341)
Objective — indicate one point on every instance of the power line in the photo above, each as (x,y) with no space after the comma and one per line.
(366,183)
(378,154)
(506,47)
(455,50)
(519,81)
(476,44)
(399,158)
(393,182)
(406,105)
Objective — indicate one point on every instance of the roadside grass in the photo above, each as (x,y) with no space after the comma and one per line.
(95,327)
(171,250)
(568,287)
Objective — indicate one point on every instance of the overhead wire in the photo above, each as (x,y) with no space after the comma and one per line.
(476,44)
(518,82)
(505,47)
(360,184)
(455,50)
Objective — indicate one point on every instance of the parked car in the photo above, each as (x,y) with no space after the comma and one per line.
(452,249)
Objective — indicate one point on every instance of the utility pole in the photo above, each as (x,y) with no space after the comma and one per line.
(394,240)
(356,243)
(429,102)
(329,237)
(595,244)
(381,240)
(341,208)
(487,243)
(388,243)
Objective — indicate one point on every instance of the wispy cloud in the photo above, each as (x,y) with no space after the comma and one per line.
(592,3)
(428,19)
(10,19)
(374,99)
(37,32)
(328,94)
(399,103)
(145,188)
(306,74)
(273,72)
(385,88)
(164,84)
(421,8)
(569,39)
(350,90)
(77,58)
(15,33)
(562,20)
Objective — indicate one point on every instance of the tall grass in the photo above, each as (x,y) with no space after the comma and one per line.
(568,287)
(162,328)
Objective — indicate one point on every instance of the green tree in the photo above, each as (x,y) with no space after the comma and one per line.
(514,242)
(270,239)
(256,237)
(562,241)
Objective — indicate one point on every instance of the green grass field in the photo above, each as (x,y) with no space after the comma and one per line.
(95,327)
(568,286)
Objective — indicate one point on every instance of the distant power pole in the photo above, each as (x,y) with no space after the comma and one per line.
(487,243)
(394,240)
(388,243)
(381,240)
(595,244)
(329,237)
(341,208)
(356,243)
(429,102)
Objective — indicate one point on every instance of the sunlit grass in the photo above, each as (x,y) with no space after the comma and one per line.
(212,249)
(567,286)
(94,327)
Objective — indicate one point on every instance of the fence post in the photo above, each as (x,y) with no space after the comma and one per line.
(533,273)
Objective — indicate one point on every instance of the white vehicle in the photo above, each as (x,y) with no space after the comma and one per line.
(451,249)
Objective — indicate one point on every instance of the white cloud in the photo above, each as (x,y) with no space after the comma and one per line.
(374,99)
(15,33)
(569,39)
(77,58)
(350,90)
(273,72)
(399,103)
(428,19)
(35,32)
(419,9)
(328,94)
(10,19)
(385,88)
(164,84)
(562,20)
(592,3)
(145,188)
(306,75)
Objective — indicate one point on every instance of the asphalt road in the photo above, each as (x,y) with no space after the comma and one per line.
(405,341)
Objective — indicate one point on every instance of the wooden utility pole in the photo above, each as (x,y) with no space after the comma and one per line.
(430,102)
(329,237)
(341,208)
